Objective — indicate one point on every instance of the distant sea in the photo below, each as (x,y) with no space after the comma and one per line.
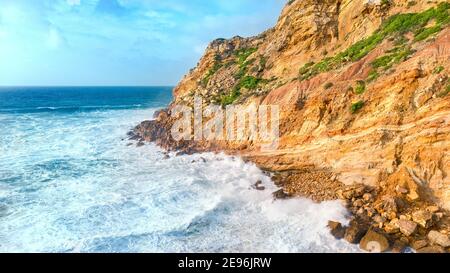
(71,181)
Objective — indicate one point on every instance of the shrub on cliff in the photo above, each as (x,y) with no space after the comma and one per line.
(356,106)
(396,25)
(360,87)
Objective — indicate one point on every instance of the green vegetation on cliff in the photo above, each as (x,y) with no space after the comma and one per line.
(396,25)
(356,106)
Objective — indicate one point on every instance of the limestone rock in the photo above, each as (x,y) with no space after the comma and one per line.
(431,249)
(392,226)
(374,242)
(438,238)
(423,218)
(432,209)
(407,227)
(419,244)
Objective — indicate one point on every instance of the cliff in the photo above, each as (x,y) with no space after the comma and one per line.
(363,89)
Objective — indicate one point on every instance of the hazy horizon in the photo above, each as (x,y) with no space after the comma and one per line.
(117,42)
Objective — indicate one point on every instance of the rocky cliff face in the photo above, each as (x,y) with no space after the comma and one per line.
(364,92)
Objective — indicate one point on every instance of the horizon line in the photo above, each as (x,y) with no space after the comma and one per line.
(43,86)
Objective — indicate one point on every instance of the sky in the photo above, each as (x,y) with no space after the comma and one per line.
(118,42)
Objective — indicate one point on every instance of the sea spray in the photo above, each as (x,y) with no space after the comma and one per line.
(71,182)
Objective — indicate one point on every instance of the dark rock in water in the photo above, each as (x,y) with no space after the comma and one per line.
(129,144)
(280,194)
(166,156)
(374,242)
(336,229)
(355,232)
(258,186)
(135,137)
(398,246)
(140,144)
(158,113)
(130,134)
(431,249)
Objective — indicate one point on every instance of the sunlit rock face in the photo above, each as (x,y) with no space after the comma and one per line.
(377,114)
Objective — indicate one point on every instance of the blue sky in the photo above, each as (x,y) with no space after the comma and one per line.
(118,42)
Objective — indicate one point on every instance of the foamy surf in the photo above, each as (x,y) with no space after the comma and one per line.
(70,182)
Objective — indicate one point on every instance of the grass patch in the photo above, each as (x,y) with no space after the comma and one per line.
(243,55)
(396,25)
(262,62)
(217,65)
(445,92)
(230,98)
(360,87)
(373,75)
(356,106)
(249,82)
(424,33)
(394,56)
(243,80)
(438,69)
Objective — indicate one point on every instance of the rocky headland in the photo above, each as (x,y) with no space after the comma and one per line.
(363,89)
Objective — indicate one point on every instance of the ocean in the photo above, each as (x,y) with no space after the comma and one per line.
(71,181)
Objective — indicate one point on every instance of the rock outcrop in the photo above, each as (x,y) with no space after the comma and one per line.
(363,89)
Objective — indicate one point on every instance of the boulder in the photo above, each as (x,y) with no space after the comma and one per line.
(398,246)
(336,229)
(354,232)
(280,194)
(431,249)
(407,227)
(374,242)
(258,186)
(392,226)
(432,209)
(379,219)
(438,238)
(413,195)
(140,144)
(419,244)
(367,197)
(358,203)
(386,204)
(423,217)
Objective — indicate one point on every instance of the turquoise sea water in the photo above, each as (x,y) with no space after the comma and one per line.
(70,181)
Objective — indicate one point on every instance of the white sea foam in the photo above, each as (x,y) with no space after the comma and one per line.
(70,183)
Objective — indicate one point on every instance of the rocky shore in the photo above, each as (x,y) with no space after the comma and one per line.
(363,88)
(384,218)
